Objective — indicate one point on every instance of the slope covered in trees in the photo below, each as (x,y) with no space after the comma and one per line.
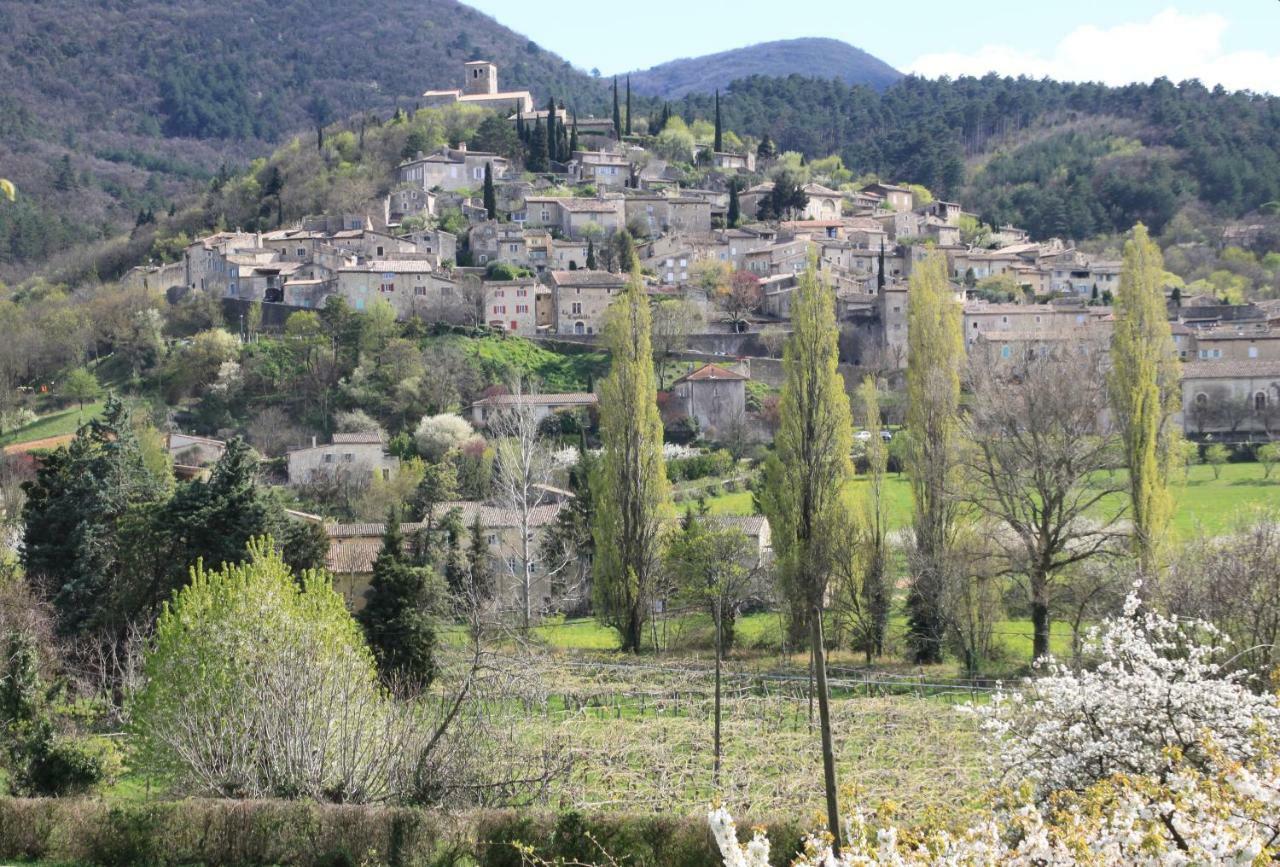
(827,58)
(1055,157)
(110,110)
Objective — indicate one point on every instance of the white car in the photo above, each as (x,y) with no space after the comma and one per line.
(863,436)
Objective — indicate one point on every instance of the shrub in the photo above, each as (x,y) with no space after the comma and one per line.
(438,434)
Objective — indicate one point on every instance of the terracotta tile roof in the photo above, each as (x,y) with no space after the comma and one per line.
(568,398)
(1231,369)
(583,277)
(365,437)
(712,373)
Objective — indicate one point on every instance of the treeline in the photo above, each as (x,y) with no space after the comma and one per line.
(1064,158)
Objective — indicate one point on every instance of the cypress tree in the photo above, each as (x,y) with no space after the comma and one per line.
(935,357)
(520,131)
(1144,392)
(591,255)
(718,143)
(628,105)
(553,152)
(805,482)
(573,136)
(617,113)
(397,619)
(537,158)
(490,195)
(629,483)
(479,560)
(880,270)
(735,210)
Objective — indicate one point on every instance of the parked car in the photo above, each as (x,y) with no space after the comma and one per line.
(886,435)
(862,436)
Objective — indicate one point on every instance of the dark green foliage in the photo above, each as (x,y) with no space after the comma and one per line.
(536,159)
(735,209)
(784,200)
(624,251)
(718,142)
(496,135)
(490,196)
(479,560)
(617,112)
(210,99)
(591,254)
(628,122)
(213,521)
(399,617)
(717,463)
(303,544)
(82,514)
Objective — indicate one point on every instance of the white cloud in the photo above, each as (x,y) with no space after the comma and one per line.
(1173,44)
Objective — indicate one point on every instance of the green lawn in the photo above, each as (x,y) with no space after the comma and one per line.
(54,424)
(1204,504)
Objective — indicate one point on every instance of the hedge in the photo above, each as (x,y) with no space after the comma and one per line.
(252,833)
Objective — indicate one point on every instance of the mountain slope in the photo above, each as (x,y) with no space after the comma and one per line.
(114,107)
(813,57)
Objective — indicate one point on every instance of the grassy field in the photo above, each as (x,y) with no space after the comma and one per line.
(1204,504)
(54,424)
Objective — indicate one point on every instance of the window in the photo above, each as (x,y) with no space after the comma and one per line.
(500,293)
(386,474)
(522,293)
(387,287)
(575,309)
(491,539)
(1253,352)
(499,308)
(1202,399)
(1260,401)
(420,290)
(348,457)
(522,308)
(1005,351)
(302,251)
(328,459)
(380,251)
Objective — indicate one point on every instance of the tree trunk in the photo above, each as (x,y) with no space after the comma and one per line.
(719,652)
(824,717)
(1039,616)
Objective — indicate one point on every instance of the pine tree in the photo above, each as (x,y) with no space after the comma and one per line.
(490,195)
(935,357)
(629,487)
(397,618)
(806,481)
(718,143)
(628,105)
(735,209)
(617,112)
(1144,385)
(766,149)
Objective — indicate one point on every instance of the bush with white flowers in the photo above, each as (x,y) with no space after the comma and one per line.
(1159,755)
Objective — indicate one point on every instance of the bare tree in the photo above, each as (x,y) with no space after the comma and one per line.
(523,467)
(1037,443)
(674,319)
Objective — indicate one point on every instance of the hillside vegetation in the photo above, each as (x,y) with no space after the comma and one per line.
(111,110)
(825,58)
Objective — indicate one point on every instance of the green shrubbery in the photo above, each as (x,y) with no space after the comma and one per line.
(251,833)
(717,463)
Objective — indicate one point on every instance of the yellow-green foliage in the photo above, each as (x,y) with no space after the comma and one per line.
(1144,390)
(808,472)
(630,485)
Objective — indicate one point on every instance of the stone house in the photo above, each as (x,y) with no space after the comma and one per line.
(1244,342)
(580,298)
(1231,401)
(512,305)
(714,395)
(414,287)
(350,458)
(541,405)
(573,216)
(192,455)
(897,198)
(451,169)
(602,168)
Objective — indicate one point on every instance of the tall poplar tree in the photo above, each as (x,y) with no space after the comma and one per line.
(629,481)
(805,482)
(935,358)
(718,144)
(1144,392)
(876,586)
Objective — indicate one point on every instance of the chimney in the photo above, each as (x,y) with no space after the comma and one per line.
(313,440)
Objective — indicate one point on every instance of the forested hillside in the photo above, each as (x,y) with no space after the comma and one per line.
(827,58)
(110,110)
(1058,158)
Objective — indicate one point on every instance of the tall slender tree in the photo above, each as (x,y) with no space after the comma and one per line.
(628,105)
(552,139)
(735,209)
(617,112)
(573,136)
(880,278)
(935,358)
(718,142)
(1144,393)
(629,485)
(876,587)
(398,619)
(490,195)
(805,484)
(536,160)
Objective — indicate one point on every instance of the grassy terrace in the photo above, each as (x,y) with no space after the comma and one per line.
(59,423)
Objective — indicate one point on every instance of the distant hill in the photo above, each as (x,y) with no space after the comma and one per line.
(812,57)
(116,107)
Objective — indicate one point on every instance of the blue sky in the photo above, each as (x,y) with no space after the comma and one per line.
(1232,42)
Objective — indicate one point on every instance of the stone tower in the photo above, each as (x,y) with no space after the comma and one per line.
(479,77)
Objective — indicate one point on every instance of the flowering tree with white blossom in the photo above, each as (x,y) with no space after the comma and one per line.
(1159,755)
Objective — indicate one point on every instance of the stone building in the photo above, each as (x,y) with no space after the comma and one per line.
(351,458)
(580,298)
(714,395)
